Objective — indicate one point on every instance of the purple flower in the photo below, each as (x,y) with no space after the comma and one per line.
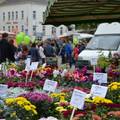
(37,97)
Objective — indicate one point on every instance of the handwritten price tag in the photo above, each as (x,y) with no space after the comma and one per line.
(78,99)
(50,85)
(98,90)
(3,89)
(34,66)
(100,77)
(94,61)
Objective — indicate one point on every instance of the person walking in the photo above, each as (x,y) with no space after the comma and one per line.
(13,50)
(76,53)
(34,53)
(68,52)
(6,49)
(49,50)
(41,52)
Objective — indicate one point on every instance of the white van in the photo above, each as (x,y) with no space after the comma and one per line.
(106,39)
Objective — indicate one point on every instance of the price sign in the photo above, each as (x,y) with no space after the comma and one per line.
(27,61)
(3,89)
(98,90)
(78,99)
(100,77)
(27,68)
(34,66)
(94,61)
(50,85)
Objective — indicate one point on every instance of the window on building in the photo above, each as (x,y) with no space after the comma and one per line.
(3,28)
(9,28)
(3,16)
(44,30)
(22,14)
(12,15)
(53,30)
(22,28)
(8,15)
(12,28)
(61,30)
(16,15)
(16,27)
(34,15)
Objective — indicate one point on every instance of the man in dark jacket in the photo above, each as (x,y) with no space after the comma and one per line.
(6,49)
(48,50)
(34,53)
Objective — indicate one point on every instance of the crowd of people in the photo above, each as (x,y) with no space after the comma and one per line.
(41,51)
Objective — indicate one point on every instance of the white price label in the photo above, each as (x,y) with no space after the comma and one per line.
(27,68)
(94,61)
(50,85)
(34,65)
(3,89)
(78,99)
(100,77)
(99,91)
(27,61)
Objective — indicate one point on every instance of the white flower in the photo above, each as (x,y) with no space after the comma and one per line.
(51,118)
(88,96)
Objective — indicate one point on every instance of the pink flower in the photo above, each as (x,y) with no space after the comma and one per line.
(11,72)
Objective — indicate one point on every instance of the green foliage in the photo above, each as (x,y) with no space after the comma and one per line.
(103,62)
(114,95)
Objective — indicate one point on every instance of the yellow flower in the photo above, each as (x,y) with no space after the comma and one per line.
(62,94)
(62,98)
(28,108)
(88,100)
(57,103)
(70,107)
(34,111)
(33,107)
(60,109)
(54,95)
(20,103)
(97,100)
(13,114)
(114,87)
(27,102)
(20,99)
(9,101)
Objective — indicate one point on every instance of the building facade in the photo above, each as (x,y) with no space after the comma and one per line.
(27,16)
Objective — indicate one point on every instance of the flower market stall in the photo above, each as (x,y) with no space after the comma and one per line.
(47,93)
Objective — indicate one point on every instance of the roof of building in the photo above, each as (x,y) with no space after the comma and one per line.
(79,11)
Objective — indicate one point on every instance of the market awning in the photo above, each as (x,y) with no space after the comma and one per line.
(79,11)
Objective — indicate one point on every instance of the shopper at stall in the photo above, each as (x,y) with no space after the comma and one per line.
(68,52)
(76,53)
(13,50)
(34,53)
(41,52)
(25,52)
(6,49)
(49,50)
